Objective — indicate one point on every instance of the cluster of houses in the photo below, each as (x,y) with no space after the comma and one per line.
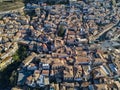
(9,34)
(69,61)
(70,68)
(62,57)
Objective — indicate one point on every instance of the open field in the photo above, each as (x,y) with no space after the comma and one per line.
(5,6)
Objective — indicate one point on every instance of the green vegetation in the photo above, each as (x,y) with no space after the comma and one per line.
(5,6)
(114,2)
(61,31)
(20,53)
(8,76)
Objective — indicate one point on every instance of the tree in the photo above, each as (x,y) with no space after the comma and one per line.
(13,78)
(16,57)
(61,31)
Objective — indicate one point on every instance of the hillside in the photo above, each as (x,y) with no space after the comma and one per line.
(5,6)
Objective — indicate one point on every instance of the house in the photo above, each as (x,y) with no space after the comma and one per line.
(118,84)
(82,60)
(32,67)
(21,78)
(105,70)
(45,66)
(29,59)
(5,62)
(45,73)
(113,68)
(44,78)
(71,33)
(68,74)
(36,74)
(91,87)
(45,48)
(68,86)
(77,72)
(30,81)
(70,41)
(100,86)
(57,65)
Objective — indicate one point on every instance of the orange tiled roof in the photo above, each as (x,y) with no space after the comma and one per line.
(46,72)
(82,59)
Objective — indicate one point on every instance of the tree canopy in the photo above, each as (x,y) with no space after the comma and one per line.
(61,31)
